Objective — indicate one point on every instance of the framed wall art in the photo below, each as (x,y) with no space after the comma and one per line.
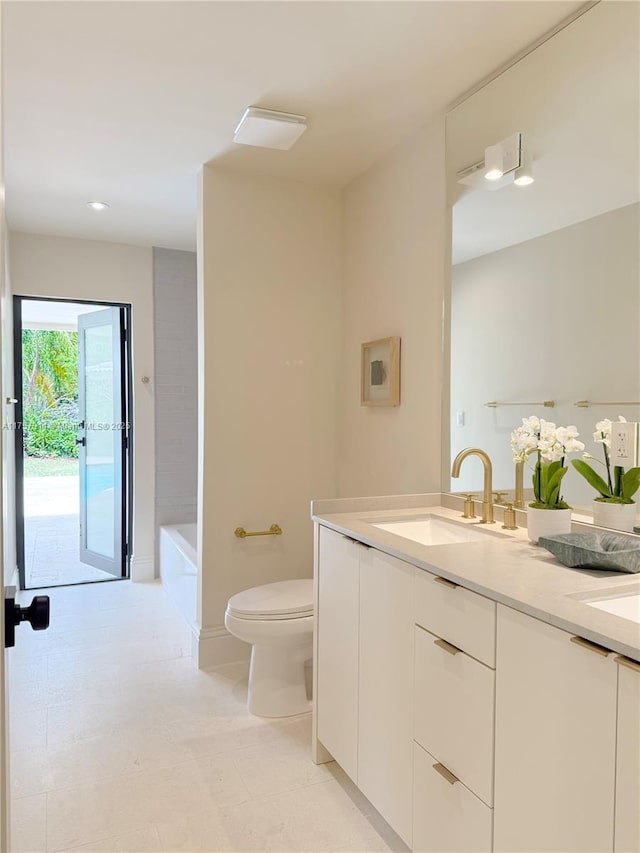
(380,373)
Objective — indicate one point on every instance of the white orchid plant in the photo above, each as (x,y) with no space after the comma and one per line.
(620,486)
(552,444)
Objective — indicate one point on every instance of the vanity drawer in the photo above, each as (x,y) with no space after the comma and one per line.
(463,618)
(447,817)
(454,711)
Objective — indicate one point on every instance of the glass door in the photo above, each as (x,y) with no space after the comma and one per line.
(102,438)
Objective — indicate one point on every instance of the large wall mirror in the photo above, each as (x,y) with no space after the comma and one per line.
(544,301)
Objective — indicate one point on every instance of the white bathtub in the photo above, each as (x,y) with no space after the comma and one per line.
(179,566)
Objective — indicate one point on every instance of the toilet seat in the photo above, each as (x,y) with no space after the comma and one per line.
(274,601)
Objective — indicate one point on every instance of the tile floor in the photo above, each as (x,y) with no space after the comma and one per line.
(51,529)
(119,744)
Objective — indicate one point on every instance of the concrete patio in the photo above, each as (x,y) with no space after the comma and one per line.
(51,534)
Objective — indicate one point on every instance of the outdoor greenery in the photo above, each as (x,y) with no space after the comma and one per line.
(50,392)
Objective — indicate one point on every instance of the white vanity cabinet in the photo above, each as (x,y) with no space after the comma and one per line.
(448,817)
(365,671)
(555,754)
(454,706)
(470,726)
(337,627)
(385,719)
(627,814)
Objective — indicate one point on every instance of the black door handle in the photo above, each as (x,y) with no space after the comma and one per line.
(81,441)
(37,614)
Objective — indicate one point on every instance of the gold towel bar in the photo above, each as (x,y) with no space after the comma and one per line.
(274,530)
(584,404)
(548,404)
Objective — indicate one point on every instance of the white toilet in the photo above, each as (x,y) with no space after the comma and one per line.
(277,619)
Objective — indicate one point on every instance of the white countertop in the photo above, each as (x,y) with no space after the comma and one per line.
(503,566)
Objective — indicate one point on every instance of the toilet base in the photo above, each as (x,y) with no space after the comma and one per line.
(277,685)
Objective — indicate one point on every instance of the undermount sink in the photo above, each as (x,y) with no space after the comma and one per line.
(625,603)
(430,531)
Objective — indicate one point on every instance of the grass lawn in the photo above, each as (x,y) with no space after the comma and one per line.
(58,466)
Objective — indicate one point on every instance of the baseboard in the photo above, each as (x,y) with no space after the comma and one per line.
(142,569)
(216,646)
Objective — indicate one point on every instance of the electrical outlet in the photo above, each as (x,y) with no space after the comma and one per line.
(460,419)
(624,444)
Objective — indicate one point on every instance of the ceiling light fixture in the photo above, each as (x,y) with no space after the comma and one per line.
(97,205)
(269,128)
(524,172)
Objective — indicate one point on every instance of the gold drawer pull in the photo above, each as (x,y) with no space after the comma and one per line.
(593,647)
(631,664)
(350,539)
(445,582)
(446,774)
(453,650)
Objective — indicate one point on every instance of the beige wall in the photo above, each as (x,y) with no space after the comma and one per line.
(65,268)
(394,268)
(564,327)
(269,254)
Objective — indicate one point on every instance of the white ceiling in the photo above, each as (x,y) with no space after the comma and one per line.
(123,102)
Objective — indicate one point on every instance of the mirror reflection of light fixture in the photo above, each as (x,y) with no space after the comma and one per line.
(493,162)
(503,157)
(504,163)
(524,172)
(473,176)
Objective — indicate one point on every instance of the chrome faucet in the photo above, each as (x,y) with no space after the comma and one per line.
(518,498)
(487,490)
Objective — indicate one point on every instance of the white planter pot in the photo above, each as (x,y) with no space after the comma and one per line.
(547,522)
(615,516)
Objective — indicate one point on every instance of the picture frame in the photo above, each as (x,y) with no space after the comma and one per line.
(380,372)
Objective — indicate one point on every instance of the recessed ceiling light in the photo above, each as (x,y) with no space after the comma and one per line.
(97,205)
(269,128)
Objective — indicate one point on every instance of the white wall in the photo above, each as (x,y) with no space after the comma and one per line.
(269,255)
(394,269)
(578,290)
(64,268)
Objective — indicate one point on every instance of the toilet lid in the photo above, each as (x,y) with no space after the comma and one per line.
(274,600)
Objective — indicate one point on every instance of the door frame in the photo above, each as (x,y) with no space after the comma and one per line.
(127,401)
